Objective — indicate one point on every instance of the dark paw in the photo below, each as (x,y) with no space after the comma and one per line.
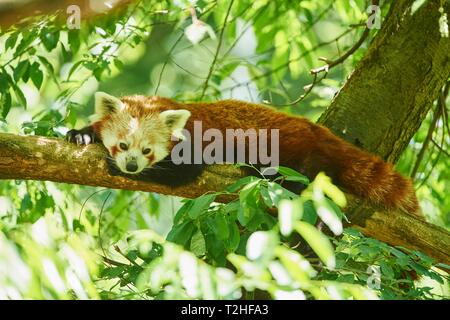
(84,136)
(113,169)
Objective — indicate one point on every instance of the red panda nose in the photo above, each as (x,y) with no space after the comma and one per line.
(132,166)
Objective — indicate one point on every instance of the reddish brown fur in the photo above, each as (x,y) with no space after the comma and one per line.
(304,146)
(150,158)
(114,151)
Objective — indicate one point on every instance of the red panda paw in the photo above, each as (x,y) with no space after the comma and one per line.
(84,136)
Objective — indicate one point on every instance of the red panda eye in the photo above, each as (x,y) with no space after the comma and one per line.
(123,146)
(146,151)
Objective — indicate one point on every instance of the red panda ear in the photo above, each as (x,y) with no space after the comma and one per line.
(106,104)
(175,119)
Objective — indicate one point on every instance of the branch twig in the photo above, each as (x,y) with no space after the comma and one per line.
(330,64)
(219,45)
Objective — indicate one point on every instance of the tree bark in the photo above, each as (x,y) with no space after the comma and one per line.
(12,12)
(51,159)
(384,102)
(388,95)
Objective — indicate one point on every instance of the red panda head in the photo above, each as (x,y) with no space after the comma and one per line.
(136,133)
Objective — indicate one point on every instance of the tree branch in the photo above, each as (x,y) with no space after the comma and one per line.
(13,12)
(51,159)
(216,55)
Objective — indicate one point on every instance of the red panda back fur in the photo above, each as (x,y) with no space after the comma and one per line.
(304,146)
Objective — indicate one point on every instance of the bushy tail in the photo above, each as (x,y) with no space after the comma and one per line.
(369,177)
(363,174)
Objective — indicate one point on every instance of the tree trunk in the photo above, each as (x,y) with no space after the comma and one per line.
(384,102)
(393,87)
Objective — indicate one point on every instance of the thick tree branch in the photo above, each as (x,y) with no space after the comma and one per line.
(51,159)
(41,158)
(12,12)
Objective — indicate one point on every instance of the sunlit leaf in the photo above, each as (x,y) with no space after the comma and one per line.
(289,211)
(318,242)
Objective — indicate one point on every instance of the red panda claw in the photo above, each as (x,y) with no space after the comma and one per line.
(86,139)
(78,139)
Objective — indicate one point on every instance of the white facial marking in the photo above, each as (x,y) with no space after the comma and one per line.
(134,126)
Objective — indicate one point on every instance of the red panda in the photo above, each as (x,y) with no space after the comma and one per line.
(138,131)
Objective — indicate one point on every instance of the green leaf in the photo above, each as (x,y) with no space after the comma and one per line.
(98,73)
(20,96)
(248,192)
(231,207)
(72,116)
(309,213)
(66,54)
(244,214)
(21,70)
(111,273)
(200,205)
(74,68)
(387,270)
(328,215)
(11,41)
(289,211)
(277,193)
(443,265)
(47,65)
(183,211)
(264,192)
(5,104)
(298,267)
(26,203)
(49,38)
(241,182)
(323,183)
(221,226)
(261,245)
(118,64)
(292,175)
(36,75)
(215,249)
(77,225)
(256,218)
(44,202)
(132,255)
(74,40)
(303,180)
(27,39)
(232,242)
(248,202)
(198,246)
(5,81)
(318,242)
(182,233)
